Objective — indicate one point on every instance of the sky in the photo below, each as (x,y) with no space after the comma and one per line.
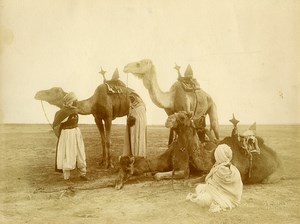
(245,54)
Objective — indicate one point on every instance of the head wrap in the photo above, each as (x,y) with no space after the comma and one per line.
(223,154)
(69,98)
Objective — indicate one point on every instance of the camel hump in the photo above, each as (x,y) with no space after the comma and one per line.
(189,84)
(187,81)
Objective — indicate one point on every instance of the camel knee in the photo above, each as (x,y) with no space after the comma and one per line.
(181,174)
(107,144)
(161,176)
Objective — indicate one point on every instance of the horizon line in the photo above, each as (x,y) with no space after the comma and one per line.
(2,123)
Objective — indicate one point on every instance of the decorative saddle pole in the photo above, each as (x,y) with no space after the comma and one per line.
(113,85)
(188,83)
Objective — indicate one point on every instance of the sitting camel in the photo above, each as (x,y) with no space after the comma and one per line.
(110,100)
(179,98)
(188,153)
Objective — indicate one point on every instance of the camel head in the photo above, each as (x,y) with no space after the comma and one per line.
(54,96)
(180,119)
(143,69)
(126,170)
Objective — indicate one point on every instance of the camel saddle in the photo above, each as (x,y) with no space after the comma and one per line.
(114,86)
(189,84)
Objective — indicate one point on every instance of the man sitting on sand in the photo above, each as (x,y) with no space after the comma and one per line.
(223,185)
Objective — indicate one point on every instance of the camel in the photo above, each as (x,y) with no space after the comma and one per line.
(177,99)
(108,102)
(187,154)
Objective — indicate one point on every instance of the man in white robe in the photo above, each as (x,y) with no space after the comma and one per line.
(70,151)
(135,145)
(223,185)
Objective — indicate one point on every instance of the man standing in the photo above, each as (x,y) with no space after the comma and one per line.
(70,151)
(135,135)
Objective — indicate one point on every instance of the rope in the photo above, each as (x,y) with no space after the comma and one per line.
(196,103)
(127,98)
(73,188)
(128,127)
(46,114)
(250,165)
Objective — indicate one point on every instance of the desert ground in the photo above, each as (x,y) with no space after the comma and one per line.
(31,192)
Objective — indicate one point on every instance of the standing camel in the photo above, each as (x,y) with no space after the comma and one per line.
(108,102)
(177,99)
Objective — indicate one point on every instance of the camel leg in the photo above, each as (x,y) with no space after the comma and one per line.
(180,174)
(275,177)
(108,160)
(102,134)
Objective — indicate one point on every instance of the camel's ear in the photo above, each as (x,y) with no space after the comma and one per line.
(252,127)
(120,158)
(190,114)
(132,160)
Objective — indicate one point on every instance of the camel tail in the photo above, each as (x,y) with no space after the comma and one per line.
(213,119)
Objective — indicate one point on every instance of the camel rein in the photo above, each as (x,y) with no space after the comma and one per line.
(128,128)
(196,103)
(46,114)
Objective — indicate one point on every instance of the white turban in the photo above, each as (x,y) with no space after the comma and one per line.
(70,98)
(223,153)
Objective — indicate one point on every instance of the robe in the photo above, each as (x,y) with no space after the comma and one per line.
(70,150)
(137,132)
(222,189)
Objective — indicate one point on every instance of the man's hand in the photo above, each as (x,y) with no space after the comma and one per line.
(130,121)
(56,130)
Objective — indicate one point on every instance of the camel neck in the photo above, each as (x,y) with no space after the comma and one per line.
(159,98)
(186,137)
(85,106)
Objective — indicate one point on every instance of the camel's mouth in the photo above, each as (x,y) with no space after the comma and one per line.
(126,69)
(170,123)
(133,70)
(45,96)
(38,96)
